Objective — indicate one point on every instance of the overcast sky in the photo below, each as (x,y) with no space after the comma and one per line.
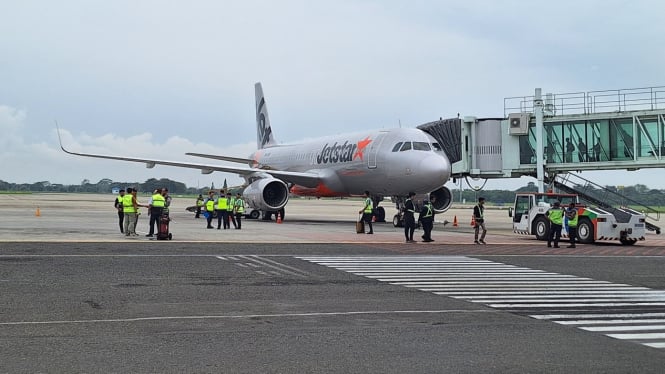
(160,78)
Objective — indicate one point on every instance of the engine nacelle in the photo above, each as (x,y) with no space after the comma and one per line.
(444,199)
(267,194)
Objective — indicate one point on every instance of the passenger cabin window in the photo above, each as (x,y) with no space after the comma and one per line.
(406,147)
(421,146)
(397,146)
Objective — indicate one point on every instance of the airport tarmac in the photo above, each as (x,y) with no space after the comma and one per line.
(92,218)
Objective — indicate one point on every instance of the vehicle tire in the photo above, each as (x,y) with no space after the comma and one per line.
(541,228)
(397,222)
(254,214)
(585,232)
(170,236)
(628,241)
(380,214)
(281,214)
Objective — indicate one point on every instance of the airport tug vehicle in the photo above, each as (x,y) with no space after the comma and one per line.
(593,224)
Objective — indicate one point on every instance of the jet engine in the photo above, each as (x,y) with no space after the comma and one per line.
(444,199)
(267,194)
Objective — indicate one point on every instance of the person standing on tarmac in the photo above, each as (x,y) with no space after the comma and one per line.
(555,215)
(409,218)
(199,204)
(222,209)
(118,206)
(155,209)
(231,206)
(366,211)
(209,204)
(571,214)
(479,218)
(426,217)
(239,209)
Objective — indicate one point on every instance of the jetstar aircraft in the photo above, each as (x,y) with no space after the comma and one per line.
(388,163)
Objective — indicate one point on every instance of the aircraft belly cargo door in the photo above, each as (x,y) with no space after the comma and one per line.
(374,147)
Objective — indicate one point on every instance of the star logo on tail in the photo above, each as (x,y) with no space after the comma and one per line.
(361,147)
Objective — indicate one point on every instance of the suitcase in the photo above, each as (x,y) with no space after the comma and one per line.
(360,227)
(163,228)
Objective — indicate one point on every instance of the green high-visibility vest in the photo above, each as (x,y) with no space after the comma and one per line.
(232,203)
(158,200)
(240,205)
(556,216)
(368,205)
(429,210)
(210,205)
(222,203)
(127,205)
(572,222)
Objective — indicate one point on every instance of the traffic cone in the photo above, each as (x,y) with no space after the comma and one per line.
(473,221)
(279,218)
(38,213)
(455,222)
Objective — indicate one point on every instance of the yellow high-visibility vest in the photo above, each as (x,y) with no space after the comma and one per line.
(127,204)
(222,203)
(158,200)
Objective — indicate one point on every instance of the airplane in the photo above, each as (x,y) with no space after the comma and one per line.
(387,162)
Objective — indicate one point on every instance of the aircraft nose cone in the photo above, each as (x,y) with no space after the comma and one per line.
(437,168)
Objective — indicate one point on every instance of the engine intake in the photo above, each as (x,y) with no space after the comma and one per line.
(267,194)
(444,199)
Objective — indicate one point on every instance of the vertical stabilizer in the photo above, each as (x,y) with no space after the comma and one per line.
(263,131)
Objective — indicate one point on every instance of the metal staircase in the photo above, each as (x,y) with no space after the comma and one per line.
(606,199)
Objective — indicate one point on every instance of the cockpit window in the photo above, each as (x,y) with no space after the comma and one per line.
(397,146)
(406,147)
(436,147)
(421,146)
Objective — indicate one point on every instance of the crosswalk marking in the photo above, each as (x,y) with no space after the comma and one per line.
(617,310)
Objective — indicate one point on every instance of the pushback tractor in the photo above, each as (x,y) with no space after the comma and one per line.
(529,215)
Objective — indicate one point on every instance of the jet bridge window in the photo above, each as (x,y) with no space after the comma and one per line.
(397,147)
(421,146)
(406,147)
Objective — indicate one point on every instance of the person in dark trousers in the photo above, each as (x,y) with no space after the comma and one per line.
(155,208)
(118,205)
(570,148)
(231,215)
(239,210)
(479,218)
(199,204)
(366,211)
(555,215)
(571,214)
(221,207)
(426,218)
(409,218)
(209,204)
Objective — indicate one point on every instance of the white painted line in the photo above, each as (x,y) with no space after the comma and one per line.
(621,328)
(581,316)
(241,265)
(655,345)
(221,258)
(564,300)
(486,283)
(655,335)
(573,305)
(531,291)
(252,264)
(279,270)
(608,321)
(242,316)
(571,295)
(303,272)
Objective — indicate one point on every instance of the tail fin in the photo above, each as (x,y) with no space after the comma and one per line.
(263,131)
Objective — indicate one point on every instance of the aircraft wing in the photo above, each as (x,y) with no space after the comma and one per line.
(223,158)
(300,178)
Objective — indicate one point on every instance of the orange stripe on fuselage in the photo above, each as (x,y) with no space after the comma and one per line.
(319,191)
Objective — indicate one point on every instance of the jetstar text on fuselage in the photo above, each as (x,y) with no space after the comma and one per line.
(345,152)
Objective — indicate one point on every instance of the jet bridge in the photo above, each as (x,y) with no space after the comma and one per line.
(559,133)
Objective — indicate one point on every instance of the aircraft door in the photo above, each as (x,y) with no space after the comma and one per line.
(374,147)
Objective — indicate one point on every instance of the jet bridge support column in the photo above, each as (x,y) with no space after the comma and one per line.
(540,166)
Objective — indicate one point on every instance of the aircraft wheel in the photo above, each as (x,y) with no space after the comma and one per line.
(254,214)
(541,228)
(281,214)
(585,231)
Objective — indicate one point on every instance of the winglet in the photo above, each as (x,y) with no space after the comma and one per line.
(57,128)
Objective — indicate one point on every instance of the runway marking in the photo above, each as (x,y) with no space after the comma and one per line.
(520,290)
(245,316)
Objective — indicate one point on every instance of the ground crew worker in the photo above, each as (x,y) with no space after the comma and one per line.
(222,208)
(555,215)
(239,209)
(167,200)
(130,208)
(366,211)
(426,217)
(479,219)
(571,214)
(409,218)
(199,204)
(118,206)
(210,208)
(231,206)
(155,209)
